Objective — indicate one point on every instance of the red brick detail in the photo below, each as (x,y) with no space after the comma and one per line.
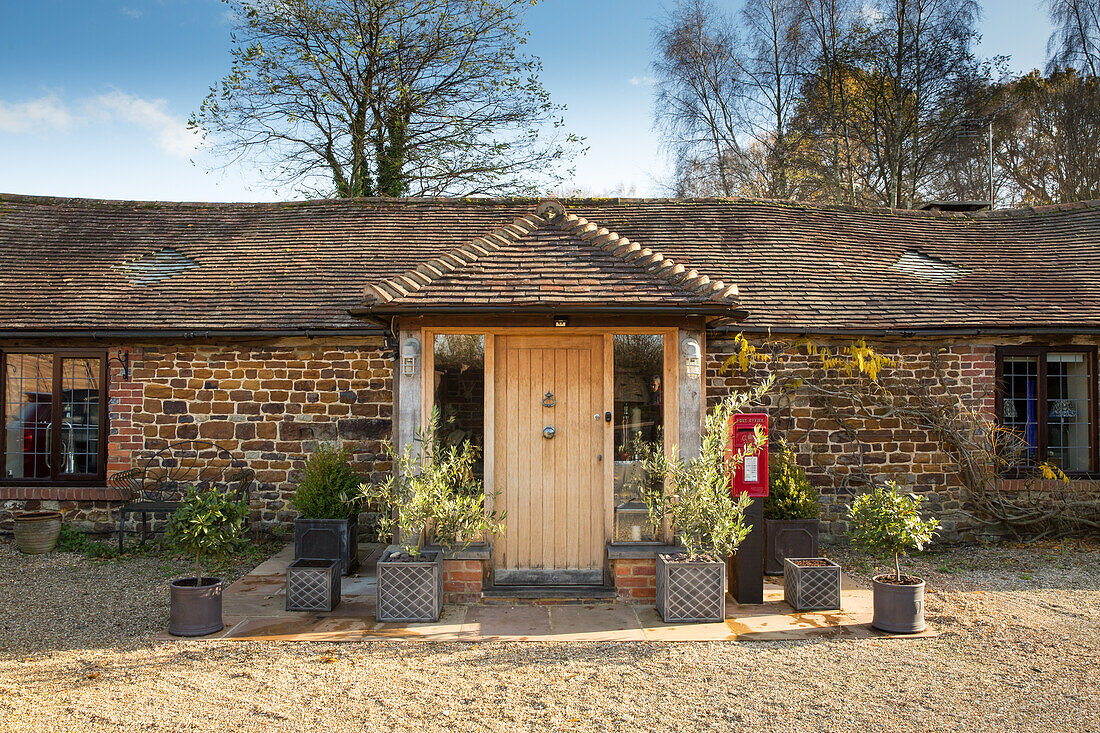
(635,579)
(58,493)
(463,580)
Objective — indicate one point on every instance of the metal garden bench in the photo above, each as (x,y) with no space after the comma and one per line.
(157,487)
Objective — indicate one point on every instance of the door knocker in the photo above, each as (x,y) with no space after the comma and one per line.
(548,400)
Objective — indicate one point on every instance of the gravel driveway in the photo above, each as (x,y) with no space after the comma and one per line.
(1021,636)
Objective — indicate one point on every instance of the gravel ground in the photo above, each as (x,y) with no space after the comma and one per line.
(1021,635)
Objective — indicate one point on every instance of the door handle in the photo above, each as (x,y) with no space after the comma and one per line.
(548,432)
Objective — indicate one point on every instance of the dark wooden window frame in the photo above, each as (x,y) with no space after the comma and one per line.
(1040,354)
(56,479)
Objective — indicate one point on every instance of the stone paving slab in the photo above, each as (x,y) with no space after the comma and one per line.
(254,608)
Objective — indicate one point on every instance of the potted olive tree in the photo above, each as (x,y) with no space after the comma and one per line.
(207,524)
(327,499)
(434,492)
(885,521)
(704,517)
(791,524)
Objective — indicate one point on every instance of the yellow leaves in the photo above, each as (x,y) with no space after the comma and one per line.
(856,358)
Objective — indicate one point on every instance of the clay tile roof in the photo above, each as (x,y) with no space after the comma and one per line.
(78,264)
(550,259)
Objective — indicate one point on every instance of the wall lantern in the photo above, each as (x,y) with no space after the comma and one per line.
(693,357)
(560,322)
(410,353)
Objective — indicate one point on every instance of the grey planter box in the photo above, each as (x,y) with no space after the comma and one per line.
(313,585)
(811,588)
(690,591)
(328,539)
(899,609)
(410,590)
(789,538)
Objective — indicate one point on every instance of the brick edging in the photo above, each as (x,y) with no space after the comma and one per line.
(60,493)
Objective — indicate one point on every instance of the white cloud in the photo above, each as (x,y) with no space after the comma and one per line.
(51,114)
(44,113)
(134,13)
(642,81)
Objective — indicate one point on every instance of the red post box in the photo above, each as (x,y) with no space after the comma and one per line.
(751,477)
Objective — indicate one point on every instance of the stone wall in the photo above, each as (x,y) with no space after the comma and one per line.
(840,455)
(268,403)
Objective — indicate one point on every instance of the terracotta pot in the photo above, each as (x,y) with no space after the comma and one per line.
(36,532)
(899,609)
(196,607)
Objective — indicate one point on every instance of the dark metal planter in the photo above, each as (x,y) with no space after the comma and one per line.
(313,585)
(690,591)
(196,610)
(789,538)
(37,532)
(814,588)
(410,590)
(899,609)
(328,539)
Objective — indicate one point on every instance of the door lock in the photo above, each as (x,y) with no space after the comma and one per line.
(607,416)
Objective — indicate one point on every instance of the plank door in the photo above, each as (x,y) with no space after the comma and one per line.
(552,488)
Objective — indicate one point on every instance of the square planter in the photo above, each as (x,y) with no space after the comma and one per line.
(313,585)
(690,591)
(788,538)
(410,590)
(328,539)
(811,587)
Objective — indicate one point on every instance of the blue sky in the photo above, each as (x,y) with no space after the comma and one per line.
(95,94)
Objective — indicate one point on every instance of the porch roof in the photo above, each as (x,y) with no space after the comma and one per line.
(89,265)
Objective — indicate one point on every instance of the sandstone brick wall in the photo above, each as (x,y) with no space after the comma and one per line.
(837,460)
(266,402)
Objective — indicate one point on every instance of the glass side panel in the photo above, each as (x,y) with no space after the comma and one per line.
(1020,410)
(638,419)
(27,399)
(460,391)
(1068,411)
(80,391)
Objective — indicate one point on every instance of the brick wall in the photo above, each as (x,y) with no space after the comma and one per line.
(463,580)
(838,461)
(635,579)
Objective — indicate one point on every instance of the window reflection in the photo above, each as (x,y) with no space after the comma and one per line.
(460,391)
(27,406)
(1068,411)
(638,421)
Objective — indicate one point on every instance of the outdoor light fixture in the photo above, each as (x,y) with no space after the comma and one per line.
(560,322)
(693,357)
(410,352)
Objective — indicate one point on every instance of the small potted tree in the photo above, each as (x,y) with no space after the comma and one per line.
(791,524)
(432,491)
(704,517)
(885,521)
(207,524)
(327,499)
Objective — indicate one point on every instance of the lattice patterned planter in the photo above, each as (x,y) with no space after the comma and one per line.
(410,590)
(313,585)
(813,588)
(690,591)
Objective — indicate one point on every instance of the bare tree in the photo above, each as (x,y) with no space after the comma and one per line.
(1075,42)
(387,97)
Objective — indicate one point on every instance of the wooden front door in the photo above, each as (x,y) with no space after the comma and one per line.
(549,406)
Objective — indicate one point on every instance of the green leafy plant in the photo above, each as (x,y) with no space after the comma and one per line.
(209,523)
(888,520)
(790,495)
(329,485)
(696,502)
(433,489)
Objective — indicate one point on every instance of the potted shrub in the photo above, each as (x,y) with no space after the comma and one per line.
(327,499)
(207,524)
(37,532)
(791,525)
(705,519)
(432,491)
(889,521)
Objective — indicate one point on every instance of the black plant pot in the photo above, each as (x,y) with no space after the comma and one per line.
(899,609)
(196,607)
(789,538)
(328,539)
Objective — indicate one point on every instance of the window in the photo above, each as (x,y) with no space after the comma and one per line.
(459,362)
(639,420)
(1047,398)
(54,416)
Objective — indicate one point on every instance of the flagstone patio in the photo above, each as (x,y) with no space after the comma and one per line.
(254,609)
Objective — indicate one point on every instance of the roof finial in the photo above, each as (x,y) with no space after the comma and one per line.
(550,209)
